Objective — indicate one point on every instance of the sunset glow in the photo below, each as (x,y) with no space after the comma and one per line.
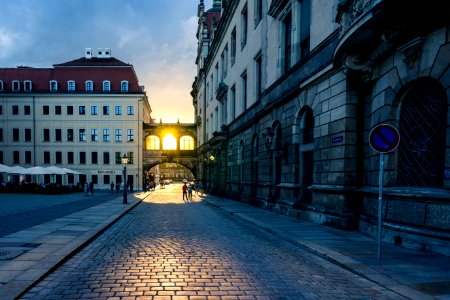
(169,142)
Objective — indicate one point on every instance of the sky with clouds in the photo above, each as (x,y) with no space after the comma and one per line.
(156,36)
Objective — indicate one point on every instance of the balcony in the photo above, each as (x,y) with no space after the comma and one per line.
(372,29)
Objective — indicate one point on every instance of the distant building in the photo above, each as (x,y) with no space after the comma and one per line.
(287,92)
(84,114)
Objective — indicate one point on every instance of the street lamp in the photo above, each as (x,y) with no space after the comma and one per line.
(124,163)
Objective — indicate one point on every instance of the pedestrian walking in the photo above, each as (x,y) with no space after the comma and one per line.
(200,186)
(185,188)
(118,187)
(112,186)
(86,188)
(190,192)
(91,188)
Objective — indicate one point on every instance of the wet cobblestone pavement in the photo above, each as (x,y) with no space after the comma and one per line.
(166,248)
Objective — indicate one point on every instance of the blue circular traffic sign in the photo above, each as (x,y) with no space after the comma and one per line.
(384,138)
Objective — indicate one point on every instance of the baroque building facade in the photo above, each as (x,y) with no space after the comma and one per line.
(287,92)
(83,115)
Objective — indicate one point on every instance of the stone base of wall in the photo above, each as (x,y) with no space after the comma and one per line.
(405,236)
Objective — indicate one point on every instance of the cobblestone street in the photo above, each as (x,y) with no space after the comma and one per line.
(166,248)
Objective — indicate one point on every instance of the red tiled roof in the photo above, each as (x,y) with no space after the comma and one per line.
(97,70)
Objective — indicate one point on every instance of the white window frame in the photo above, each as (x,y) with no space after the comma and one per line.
(106,134)
(89,85)
(53,85)
(71,85)
(124,86)
(27,85)
(118,135)
(106,86)
(14,87)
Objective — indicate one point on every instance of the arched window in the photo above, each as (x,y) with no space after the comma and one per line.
(89,86)
(186,143)
(152,143)
(53,85)
(169,142)
(106,86)
(71,85)
(422,127)
(124,86)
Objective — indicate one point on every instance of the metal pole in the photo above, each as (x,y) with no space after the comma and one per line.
(125,185)
(380,203)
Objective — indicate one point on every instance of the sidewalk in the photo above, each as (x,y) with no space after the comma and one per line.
(28,255)
(411,274)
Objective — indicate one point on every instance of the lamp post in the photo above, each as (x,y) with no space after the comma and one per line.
(124,163)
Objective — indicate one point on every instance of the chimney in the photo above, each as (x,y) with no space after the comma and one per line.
(103,53)
(88,53)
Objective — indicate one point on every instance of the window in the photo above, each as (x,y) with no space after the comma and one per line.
(58,157)
(27,110)
(27,135)
(15,109)
(118,135)
(94,135)
(130,157)
(130,135)
(1,157)
(244,24)
(27,86)
(70,110)
(106,158)
(58,135)
(16,85)
(287,27)
(118,158)
(46,135)
(71,85)
(95,179)
(1,134)
(89,86)
(244,91)
(58,110)
(106,179)
(82,135)
(124,86)
(224,111)
(186,143)
(46,110)
(152,142)
(53,85)
(1,109)
(233,102)
(16,157)
(81,110)
(106,110)
(224,62)
(94,157)
(70,135)
(216,76)
(70,178)
(46,157)
(15,134)
(94,110)
(305,23)
(70,158)
(118,110)
(1,85)
(82,157)
(258,75)
(28,157)
(258,12)
(106,86)
(233,46)
(106,133)
(130,110)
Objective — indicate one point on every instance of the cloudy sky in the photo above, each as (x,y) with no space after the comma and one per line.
(156,36)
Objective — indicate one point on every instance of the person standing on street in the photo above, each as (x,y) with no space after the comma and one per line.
(91,188)
(185,188)
(112,187)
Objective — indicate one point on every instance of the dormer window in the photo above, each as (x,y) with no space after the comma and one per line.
(106,86)
(1,85)
(71,85)
(89,86)
(27,85)
(53,85)
(124,85)
(16,85)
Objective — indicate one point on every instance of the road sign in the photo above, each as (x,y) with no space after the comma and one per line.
(384,138)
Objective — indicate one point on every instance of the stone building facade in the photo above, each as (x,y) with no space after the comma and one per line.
(287,92)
